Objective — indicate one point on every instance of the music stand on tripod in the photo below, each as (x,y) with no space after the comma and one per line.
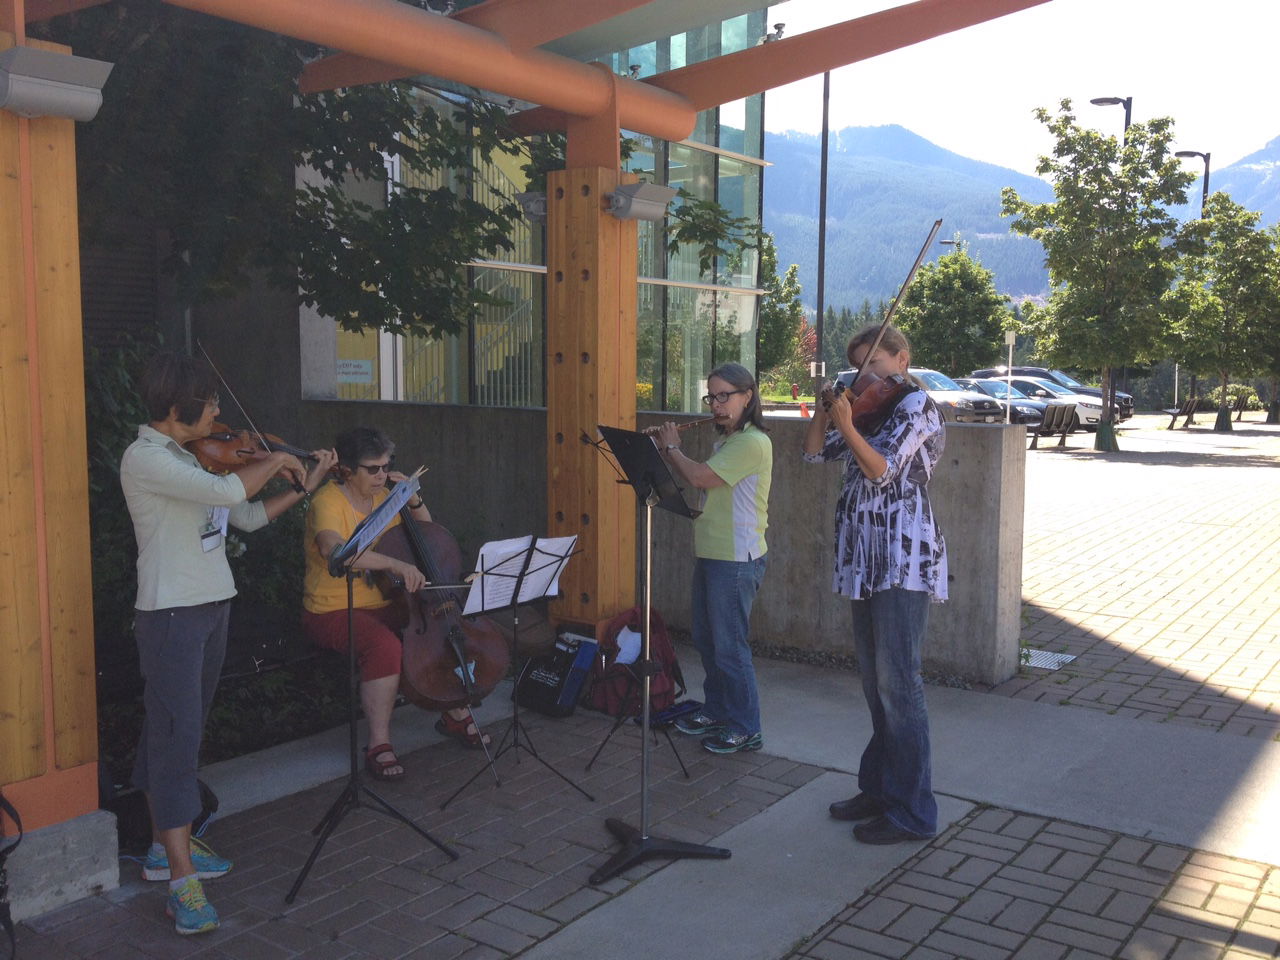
(341,561)
(649,475)
(511,573)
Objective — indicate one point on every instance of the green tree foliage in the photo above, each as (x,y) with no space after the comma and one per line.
(781,312)
(838,330)
(1226,301)
(1109,244)
(953,315)
(201,132)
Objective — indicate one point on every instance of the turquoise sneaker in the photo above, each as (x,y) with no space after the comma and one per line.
(207,863)
(190,911)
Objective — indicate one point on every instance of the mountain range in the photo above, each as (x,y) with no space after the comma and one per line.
(886,186)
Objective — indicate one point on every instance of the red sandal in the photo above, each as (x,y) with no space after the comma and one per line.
(378,768)
(457,729)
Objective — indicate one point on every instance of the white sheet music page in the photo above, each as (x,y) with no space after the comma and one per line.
(543,576)
(499,564)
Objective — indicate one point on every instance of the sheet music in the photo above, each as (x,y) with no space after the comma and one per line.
(376,522)
(499,564)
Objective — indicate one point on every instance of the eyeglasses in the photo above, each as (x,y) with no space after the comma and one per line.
(376,468)
(722,397)
(213,401)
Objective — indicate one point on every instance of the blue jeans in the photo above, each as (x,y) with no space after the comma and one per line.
(723,591)
(888,631)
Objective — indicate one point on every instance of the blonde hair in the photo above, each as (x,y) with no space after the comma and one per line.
(894,341)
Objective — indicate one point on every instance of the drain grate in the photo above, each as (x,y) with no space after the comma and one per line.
(1046,660)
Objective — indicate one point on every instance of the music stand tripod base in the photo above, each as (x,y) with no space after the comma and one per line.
(636,849)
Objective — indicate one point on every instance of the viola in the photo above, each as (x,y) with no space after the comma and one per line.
(448,660)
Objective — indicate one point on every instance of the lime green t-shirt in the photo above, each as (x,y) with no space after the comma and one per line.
(734,517)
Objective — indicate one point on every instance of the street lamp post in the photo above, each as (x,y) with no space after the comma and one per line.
(1204,192)
(1105,438)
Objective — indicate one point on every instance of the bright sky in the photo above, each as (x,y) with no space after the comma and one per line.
(1209,64)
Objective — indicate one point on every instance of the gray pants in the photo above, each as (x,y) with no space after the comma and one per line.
(180,652)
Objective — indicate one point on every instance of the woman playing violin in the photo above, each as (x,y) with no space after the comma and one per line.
(891,561)
(180,516)
(364,457)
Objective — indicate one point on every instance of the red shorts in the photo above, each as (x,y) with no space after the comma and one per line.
(377,634)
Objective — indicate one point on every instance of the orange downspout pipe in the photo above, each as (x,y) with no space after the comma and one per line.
(427,43)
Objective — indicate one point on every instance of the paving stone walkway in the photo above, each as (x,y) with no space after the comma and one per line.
(379,891)
(1004,886)
(1156,568)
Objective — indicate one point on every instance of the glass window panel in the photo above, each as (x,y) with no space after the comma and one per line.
(510,340)
(734,319)
(735,34)
(739,193)
(649,351)
(357,366)
(690,319)
(693,170)
(733,124)
(646,57)
(435,371)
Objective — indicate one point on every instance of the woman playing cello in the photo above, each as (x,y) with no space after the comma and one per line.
(365,466)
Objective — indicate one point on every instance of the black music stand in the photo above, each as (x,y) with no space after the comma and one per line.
(340,565)
(513,578)
(649,475)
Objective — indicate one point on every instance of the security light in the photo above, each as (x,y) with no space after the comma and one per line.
(640,201)
(534,205)
(39,83)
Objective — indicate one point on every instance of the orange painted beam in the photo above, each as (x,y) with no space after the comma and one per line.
(442,46)
(38,10)
(523,24)
(756,69)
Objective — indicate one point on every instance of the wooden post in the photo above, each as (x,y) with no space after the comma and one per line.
(48,722)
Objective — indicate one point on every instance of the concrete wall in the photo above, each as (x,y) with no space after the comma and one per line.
(487,480)
(977,494)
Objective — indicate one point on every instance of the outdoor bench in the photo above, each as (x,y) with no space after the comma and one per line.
(1188,410)
(1057,419)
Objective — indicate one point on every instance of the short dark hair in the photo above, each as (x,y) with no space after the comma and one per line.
(361,443)
(741,379)
(174,381)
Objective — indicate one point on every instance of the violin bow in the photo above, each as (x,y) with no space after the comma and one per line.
(236,400)
(898,299)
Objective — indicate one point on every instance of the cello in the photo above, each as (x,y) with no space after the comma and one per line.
(448,660)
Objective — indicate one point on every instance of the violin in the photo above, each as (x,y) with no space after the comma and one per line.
(448,660)
(873,398)
(225,450)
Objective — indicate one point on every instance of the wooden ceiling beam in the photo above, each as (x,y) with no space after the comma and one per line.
(523,24)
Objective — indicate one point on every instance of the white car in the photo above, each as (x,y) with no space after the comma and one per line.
(1088,409)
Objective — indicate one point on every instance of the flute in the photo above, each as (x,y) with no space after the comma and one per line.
(650,431)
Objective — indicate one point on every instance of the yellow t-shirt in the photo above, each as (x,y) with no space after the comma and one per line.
(322,593)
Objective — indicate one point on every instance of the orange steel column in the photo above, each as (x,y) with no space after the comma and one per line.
(48,722)
(591,371)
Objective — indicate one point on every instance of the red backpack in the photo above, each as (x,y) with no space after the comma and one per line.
(614,688)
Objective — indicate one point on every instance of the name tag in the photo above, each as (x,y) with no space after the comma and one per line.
(210,540)
(214,529)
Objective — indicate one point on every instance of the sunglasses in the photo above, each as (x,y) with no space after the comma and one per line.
(376,468)
(722,397)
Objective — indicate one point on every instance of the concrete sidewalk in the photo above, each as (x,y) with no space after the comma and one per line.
(1138,827)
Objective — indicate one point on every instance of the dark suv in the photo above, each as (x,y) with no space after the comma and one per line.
(1124,401)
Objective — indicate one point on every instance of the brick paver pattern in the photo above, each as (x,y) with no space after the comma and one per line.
(380,891)
(1171,613)
(1004,886)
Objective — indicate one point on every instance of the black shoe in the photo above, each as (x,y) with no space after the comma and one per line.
(857,808)
(882,830)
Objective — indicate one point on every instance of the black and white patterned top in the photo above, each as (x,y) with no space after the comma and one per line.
(886,535)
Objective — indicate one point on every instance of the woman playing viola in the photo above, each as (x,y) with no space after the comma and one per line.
(891,561)
(364,466)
